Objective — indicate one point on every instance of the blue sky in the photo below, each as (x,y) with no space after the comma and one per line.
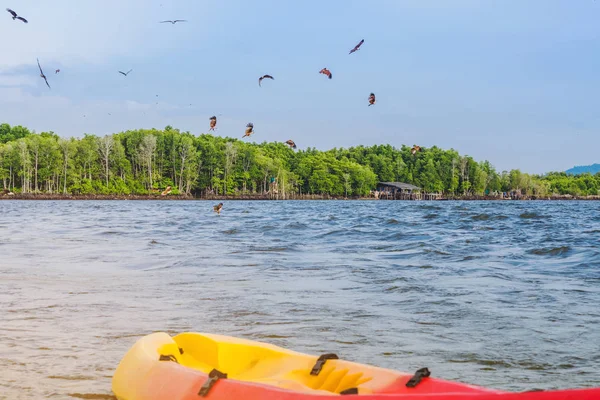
(511,81)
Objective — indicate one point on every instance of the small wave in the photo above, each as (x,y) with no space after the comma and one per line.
(270,336)
(392,221)
(269,249)
(431,216)
(430,207)
(231,231)
(553,251)
(296,225)
(531,215)
(481,217)
(93,396)
(72,378)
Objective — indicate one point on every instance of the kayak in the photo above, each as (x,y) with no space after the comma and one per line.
(196,365)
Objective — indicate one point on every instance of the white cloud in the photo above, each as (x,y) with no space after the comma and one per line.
(17,80)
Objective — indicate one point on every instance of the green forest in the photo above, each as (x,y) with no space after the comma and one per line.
(146,161)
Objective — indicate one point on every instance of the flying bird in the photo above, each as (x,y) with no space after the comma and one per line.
(327,72)
(173,21)
(15,16)
(249,130)
(213,122)
(125,73)
(42,73)
(291,143)
(357,46)
(415,149)
(218,208)
(166,191)
(57,71)
(371,99)
(263,77)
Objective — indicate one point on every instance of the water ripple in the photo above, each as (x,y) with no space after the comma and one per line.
(500,294)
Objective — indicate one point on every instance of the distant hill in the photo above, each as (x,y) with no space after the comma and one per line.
(583,169)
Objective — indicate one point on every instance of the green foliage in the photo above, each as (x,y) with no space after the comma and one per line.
(147,161)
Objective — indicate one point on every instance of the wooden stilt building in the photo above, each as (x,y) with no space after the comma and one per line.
(397,191)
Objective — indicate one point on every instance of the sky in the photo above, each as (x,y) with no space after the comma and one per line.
(510,81)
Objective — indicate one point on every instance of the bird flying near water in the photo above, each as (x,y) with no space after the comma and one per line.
(57,71)
(42,73)
(173,21)
(291,143)
(264,77)
(371,99)
(125,73)
(166,191)
(218,208)
(414,149)
(357,46)
(327,72)
(15,16)
(249,130)
(213,123)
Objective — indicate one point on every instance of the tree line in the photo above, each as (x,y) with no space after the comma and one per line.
(145,161)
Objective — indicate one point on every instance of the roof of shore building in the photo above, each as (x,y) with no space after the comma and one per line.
(399,185)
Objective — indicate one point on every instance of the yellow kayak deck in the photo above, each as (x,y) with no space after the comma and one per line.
(250,361)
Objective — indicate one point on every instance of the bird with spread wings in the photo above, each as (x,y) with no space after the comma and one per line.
(42,73)
(249,130)
(371,99)
(15,16)
(326,72)
(173,21)
(264,77)
(357,46)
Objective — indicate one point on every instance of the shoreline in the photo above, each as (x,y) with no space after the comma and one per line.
(47,196)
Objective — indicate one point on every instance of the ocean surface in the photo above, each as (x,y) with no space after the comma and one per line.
(498,294)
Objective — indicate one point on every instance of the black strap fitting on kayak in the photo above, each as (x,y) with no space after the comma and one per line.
(416,379)
(167,357)
(349,391)
(321,361)
(213,377)
(180,350)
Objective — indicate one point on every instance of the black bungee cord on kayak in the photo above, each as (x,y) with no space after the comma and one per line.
(417,377)
(168,357)
(213,377)
(316,370)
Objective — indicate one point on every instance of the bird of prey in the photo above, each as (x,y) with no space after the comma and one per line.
(15,16)
(125,73)
(357,46)
(57,71)
(166,191)
(263,77)
(327,72)
(218,208)
(42,73)
(371,99)
(415,149)
(249,130)
(173,21)
(213,123)
(291,143)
